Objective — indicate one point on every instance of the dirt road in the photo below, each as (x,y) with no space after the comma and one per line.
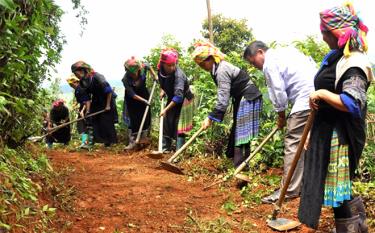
(128,192)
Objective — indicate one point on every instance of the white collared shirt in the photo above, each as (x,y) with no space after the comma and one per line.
(290,78)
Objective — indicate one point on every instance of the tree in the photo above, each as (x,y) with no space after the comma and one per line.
(31,42)
(229,34)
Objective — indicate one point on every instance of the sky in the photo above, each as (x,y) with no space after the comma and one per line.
(119,29)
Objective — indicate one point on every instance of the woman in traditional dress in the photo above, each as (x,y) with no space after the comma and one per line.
(178,113)
(58,115)
(102,98)
(231,82)
(81,99)
(338,133)
(136,97)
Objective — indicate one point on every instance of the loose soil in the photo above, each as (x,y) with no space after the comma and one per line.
(129,192)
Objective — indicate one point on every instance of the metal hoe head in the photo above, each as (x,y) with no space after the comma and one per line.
(243,177)
(155,155)
(282,224)
(172,168)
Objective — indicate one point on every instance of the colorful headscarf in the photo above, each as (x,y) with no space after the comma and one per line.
(72,78)
(81,65)
(58,102)
(168,56)
(204,50)
(346,26)
(133,65)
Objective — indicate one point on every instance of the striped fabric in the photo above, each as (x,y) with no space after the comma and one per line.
(204,50)
(344,23)
(185,123)
(247,122)
(337,186)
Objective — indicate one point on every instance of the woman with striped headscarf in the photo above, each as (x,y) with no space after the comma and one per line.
(102,97)
(232,83)
(136,97)
(338,133)
(81,99)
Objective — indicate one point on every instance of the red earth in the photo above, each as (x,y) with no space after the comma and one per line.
(129,192)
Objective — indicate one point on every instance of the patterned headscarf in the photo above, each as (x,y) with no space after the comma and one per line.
(81,65)
(58,102)
(346,26)
(204,50)
(72,78)
(133,65)
(168,56)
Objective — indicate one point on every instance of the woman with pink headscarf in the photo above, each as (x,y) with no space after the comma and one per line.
(178,113)
(338,133)
(58,115)
(136,98)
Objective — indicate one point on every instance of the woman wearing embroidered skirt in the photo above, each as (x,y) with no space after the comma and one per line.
(232,83)
(338,133)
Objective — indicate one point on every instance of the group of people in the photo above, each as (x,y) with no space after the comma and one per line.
(336,92)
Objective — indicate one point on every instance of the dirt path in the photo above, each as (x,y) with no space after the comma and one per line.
(127,192)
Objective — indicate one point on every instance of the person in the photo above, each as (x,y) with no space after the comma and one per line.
(101,97)
(136,97)
(178,112)
(59,114)
(81,99)
(338,132)
(231,82)
(289,76)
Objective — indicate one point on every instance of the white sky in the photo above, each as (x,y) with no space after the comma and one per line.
(118,29)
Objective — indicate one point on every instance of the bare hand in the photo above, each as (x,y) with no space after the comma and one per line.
(163,113)
(107,108)
(314,100)
(162,94)
(206,123)
(82,113)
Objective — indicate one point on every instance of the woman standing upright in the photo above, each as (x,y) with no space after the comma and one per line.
(136,97)
(102,98)
(178,113)
(231,82)
(338,133)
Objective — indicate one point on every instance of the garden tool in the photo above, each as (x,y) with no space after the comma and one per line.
(159,153)
(244,163)
(38,138)
(283,224)
(145,115)
(168,164)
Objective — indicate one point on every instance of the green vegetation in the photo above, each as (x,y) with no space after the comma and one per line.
(30,46)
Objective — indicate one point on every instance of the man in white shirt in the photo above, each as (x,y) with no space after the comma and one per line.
(290,79)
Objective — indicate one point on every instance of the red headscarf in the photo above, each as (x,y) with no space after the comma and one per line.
(168,56)
(58,102)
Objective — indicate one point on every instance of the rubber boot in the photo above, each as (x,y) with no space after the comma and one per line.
(84,141)
(357,208)
(180,142)
(167,142)
(131,143)
(348,225)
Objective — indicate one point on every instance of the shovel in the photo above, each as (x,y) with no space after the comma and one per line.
(168,164)
(159,153)
(283,224)
(38,138)
(145,115)
(244,163)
